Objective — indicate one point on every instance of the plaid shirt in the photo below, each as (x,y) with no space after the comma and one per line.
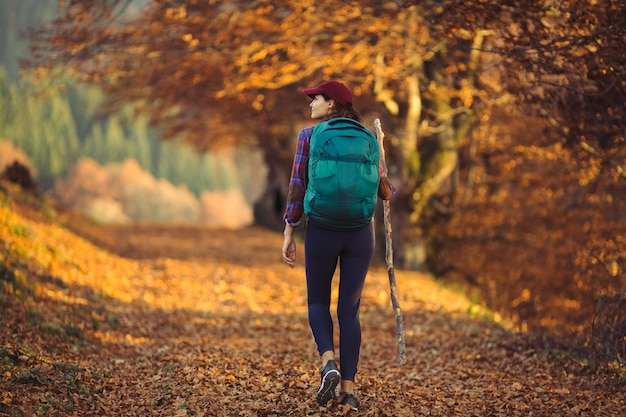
(297,182)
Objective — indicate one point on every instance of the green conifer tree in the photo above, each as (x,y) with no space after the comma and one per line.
(114,141)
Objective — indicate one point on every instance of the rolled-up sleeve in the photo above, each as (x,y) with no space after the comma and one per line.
(386,190)
(297,181)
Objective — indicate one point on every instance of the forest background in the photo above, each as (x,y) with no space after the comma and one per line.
(82,156)
(505,125)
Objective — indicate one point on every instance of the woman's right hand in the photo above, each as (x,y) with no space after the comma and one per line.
(289,247)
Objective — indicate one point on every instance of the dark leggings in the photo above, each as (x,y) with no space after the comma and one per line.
(354,250)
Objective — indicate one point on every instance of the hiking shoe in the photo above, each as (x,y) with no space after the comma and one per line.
(330,380)
(350,400)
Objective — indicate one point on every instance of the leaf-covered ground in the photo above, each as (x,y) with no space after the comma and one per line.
(180,321)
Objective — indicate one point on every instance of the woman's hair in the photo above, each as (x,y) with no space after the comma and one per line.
(342,111)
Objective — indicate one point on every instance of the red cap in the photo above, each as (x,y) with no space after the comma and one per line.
(332,89)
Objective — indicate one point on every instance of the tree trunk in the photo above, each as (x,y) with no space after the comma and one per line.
(269,209)
(433,169)
(410,248)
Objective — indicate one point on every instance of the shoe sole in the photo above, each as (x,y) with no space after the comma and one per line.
(346,402)
(353,408)
(327,388)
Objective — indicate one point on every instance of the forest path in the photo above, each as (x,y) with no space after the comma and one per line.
(152,320)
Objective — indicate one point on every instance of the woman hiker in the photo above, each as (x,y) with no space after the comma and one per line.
(331,237)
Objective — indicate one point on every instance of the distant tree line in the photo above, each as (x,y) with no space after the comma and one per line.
(56,129)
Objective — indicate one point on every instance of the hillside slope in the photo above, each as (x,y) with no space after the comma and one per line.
(150,320)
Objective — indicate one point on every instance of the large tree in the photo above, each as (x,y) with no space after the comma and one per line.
(539,220)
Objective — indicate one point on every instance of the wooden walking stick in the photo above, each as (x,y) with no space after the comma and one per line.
(389,254)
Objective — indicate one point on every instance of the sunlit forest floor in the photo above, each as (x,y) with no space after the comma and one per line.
(151,320)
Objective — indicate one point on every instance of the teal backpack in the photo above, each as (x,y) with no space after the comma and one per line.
(343,174)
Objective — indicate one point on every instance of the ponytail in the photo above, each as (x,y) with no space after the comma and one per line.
(353,113)
(344,111)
